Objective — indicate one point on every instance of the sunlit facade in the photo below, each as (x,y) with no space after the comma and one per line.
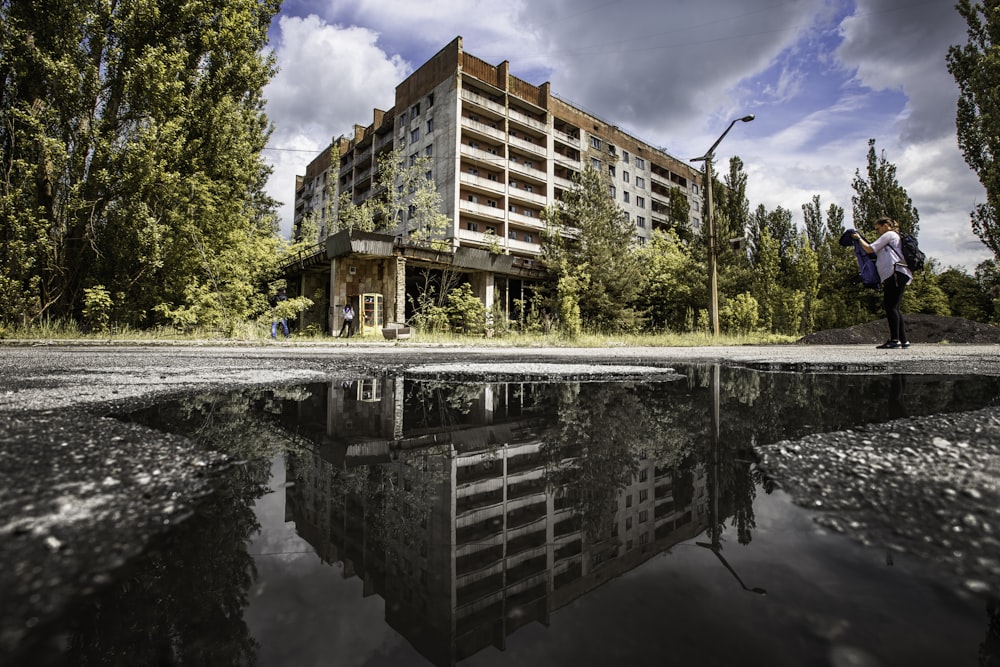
(500,150)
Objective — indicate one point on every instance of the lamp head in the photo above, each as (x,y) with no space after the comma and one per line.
(748,118)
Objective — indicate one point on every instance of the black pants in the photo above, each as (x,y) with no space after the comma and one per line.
(892,299)
(347,326)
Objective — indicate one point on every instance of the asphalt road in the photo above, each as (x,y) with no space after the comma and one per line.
(82,492)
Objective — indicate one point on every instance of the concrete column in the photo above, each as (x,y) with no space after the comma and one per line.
(399,307)
(334,299)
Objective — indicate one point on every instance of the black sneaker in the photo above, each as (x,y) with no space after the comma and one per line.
(904,344)
(889,345)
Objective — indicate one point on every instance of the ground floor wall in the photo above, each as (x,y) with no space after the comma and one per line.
(346,280)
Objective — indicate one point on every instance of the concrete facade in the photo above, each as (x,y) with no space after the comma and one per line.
(501,150)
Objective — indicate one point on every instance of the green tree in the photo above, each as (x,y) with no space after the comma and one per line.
(131,139)
(965,297)
(673,281)
(881,194)
(586,234)
(976,68)
(408,202)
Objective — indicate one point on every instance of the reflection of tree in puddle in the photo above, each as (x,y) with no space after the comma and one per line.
(195,578)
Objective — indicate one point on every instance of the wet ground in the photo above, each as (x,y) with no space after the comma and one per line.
(908,473)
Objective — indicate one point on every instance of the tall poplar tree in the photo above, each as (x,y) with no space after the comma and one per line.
(881,194)
(131,135)
(976,68)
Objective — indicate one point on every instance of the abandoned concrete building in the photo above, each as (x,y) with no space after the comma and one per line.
(501,150)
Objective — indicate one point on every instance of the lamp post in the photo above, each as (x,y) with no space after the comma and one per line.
(713,250)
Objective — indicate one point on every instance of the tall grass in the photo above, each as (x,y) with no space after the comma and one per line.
(260,333)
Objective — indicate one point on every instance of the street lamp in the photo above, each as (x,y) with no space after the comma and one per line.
(713,249)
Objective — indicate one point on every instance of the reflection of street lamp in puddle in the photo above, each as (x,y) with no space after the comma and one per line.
(718,552)
(716,545)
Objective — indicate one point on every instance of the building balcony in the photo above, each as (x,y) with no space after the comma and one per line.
(567,161)
(482,239)
(527,121)
(523,247)
(563,183)
(481,210)
(482,129)
(484,156)
(525,170)
(526,221)
(480,101)
(523,195)
(567,139)
(480,183)
(527,146)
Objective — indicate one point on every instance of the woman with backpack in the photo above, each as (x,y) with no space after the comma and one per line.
(895,276)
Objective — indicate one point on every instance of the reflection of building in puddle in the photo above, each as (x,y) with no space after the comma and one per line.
(458,523)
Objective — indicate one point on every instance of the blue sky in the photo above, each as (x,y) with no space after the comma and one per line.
(821,76)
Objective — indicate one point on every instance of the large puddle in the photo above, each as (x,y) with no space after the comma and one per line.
(531,519)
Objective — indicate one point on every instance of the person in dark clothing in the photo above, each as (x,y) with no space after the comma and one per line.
(348,322)
(275,300)
(895,276)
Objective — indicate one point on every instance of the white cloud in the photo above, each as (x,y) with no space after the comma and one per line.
(330,78)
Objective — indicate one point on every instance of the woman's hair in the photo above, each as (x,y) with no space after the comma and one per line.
(888,222)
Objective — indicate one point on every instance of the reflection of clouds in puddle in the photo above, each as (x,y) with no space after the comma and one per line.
(296,610)
(536,369)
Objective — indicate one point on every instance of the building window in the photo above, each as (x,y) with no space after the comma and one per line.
(694,188)
(644,538)
(595,142)
(430,100)
(512,235)
(595,163)
(625,157)
(640,182)
(473,171)
(491,176)
(474,199)
(640,221)
(628,500)
(527,188)
(429,176)
(625,197)
(472,226)
(640,163)
(643,475)
(628,523)
(513,184)
(429,150)
(611,170)
(643,495)
(612,192)
(643,516)
(640,202)
(413,159)
(625,176)
(491,203)
(430,125)
(415,136)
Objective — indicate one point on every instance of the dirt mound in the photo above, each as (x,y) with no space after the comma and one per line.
(919,329)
